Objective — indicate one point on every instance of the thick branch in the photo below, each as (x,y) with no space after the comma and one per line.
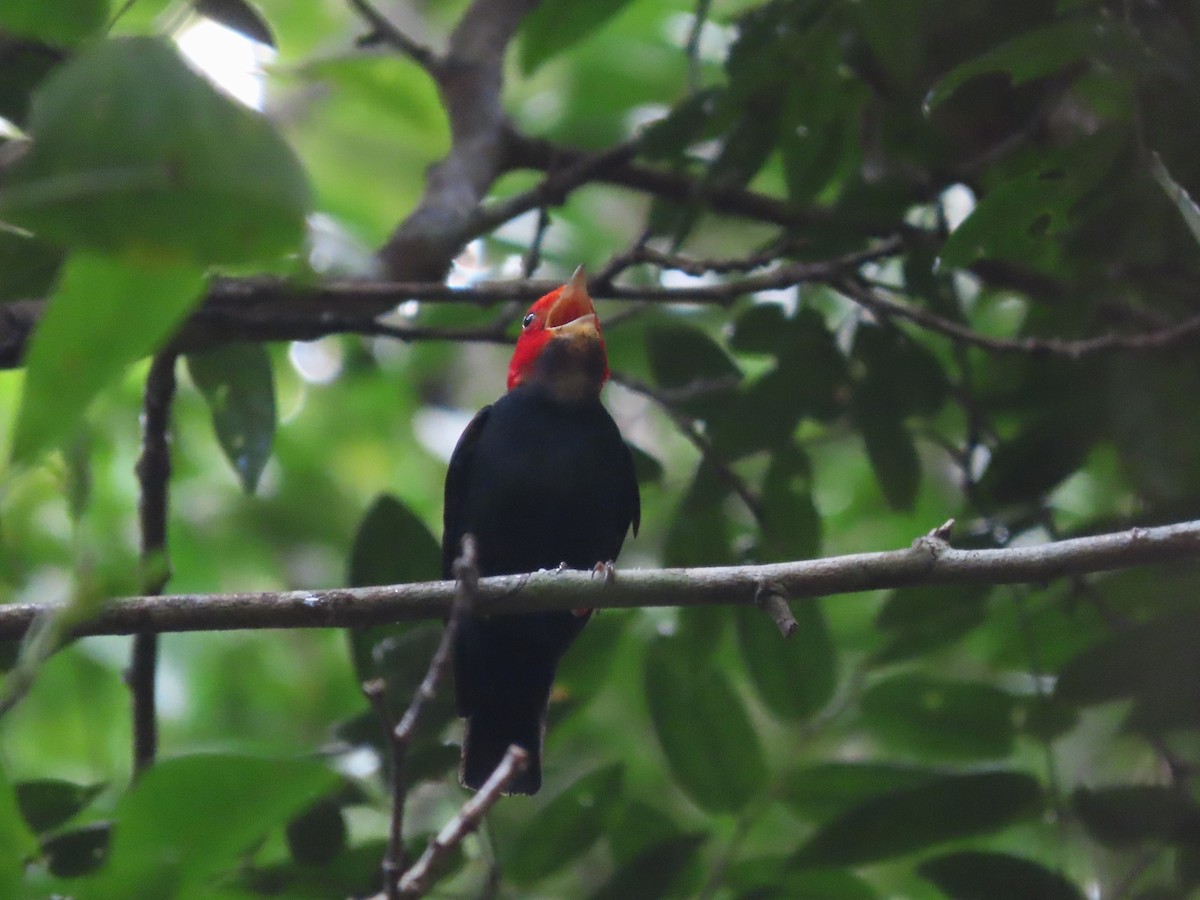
(534,153)
(270,309)
(929,561)
(469,80)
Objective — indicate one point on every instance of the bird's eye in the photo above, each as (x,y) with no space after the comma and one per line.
(527,321)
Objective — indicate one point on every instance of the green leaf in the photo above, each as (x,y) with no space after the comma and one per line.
(47,803)
(699,534)
(795,676)
(1034,54)
(919,619)
(318,834)
(188,819)
(978,875)
(946,808)
(16,842)
(668,137)
(768,879)
(28,266)
(60,22)
(791,525)
(393,546)
(168,167)
(584,671)
(954,719)
(239,387)
(556,25)
(1178,195)
(831,788)
(653,873)
(22,65)
(683,356)
(721,768)
(104,315)
(889,446)
(747,144)
(566,827)
(1030,464)
(1130,814)
(78,851)
(1019,219)
(1154,662)
(637,826)
(901,373)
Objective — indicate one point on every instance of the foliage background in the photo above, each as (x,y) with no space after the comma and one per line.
(1032,741)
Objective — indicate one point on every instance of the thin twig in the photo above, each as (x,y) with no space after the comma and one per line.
(383,30)
(400,737)
(693,44)
(691,430)
(550,191)
(417,880)
(154,474)
(771,600)
(532,257)
(626,259)
(872,299)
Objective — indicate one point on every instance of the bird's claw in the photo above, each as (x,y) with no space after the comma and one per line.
(560,568)
(607,569)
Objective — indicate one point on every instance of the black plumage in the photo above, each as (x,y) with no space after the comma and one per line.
(538,481)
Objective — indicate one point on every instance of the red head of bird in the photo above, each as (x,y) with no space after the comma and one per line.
(561,347)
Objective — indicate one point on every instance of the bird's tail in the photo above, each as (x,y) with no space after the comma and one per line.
(503,671)
(487,739)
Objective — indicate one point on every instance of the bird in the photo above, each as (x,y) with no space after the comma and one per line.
(541,478)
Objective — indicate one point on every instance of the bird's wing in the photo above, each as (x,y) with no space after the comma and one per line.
(457,485)
(633,496)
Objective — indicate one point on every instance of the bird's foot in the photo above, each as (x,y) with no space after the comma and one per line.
(560,568)
(606,569)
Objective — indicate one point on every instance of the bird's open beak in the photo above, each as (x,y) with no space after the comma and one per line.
(573,315)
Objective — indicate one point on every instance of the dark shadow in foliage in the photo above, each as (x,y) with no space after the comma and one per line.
(973,875)
(908,819)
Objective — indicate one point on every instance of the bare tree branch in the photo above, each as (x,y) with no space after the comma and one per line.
(466,570)
(535,153)
(689,429)
(154,474)
(929,561)
(1163,339)
(469,78)
(417,880)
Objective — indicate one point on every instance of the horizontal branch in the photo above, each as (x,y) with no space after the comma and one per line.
(273,309)
(1165,338)
(929,561)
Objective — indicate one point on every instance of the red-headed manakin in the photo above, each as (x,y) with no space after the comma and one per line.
(541,477)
